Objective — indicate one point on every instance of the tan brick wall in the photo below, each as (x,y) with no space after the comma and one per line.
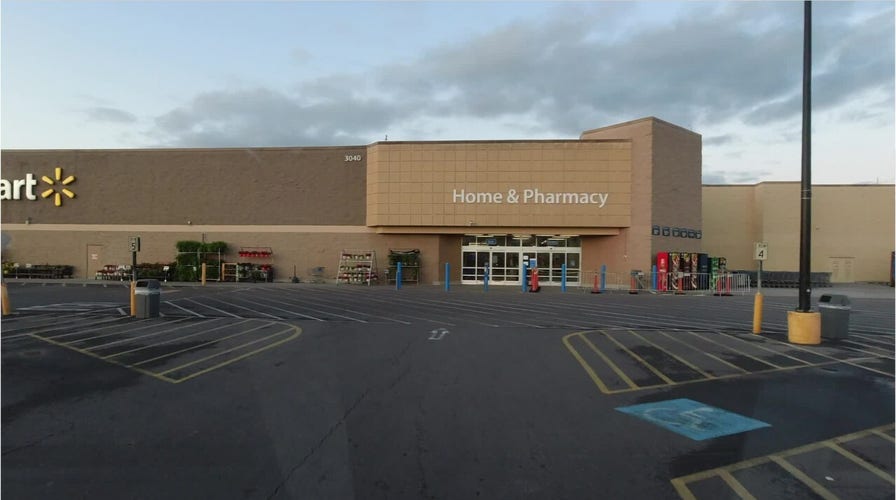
(202,186)
(666,170)
(472,184)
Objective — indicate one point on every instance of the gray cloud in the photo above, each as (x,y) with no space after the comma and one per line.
(106,114)
(713,64)
(262,117)
(718,140)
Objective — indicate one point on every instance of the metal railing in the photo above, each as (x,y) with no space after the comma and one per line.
(666,283)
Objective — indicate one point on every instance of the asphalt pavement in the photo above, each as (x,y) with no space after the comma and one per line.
(323,391)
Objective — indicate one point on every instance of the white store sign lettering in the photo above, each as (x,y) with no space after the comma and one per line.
(529,196)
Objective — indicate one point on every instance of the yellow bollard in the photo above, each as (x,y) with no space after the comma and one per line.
(804,327)
(7,307)
(757,313)
(203,273)
(133,298)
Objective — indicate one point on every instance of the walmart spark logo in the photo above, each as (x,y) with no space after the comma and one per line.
(57,191)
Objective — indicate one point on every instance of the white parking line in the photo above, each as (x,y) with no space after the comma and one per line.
(310,308)
(183,308)
(214,308)
(177,339)
(138,337)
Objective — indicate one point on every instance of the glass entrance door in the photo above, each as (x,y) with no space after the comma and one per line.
(504,261)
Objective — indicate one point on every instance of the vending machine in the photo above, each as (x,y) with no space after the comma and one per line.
(662,270)
(673,271)
(695,270)
(685,281)
(703,269)
(713,272)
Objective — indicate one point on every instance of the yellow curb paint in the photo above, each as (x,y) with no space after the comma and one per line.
(804,327)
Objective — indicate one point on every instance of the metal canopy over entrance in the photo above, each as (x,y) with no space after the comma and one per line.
(504,254)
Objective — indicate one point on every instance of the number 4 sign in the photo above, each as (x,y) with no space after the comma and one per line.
(760,251)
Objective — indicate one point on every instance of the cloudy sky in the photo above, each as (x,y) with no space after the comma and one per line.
(233,74)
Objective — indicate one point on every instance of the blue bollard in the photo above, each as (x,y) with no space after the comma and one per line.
(525,275)
(398,277)
(447,276)
(603,278)
(653,271)
(563,278)
(486,279)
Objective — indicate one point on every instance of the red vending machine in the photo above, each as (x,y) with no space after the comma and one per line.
(662,270)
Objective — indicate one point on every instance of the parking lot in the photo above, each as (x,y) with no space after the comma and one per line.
(322,391)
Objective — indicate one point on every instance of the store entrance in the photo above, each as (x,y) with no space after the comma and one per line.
(503,257)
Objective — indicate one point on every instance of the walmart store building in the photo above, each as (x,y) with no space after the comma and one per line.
(616,196)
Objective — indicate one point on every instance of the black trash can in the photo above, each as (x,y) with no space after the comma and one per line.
(835,310)
(147,295)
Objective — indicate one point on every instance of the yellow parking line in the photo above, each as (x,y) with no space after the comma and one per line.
(242,356)
(93,355)
(860,462)
(885,436)
(641,360)
(611,364)
(177,339)
(808,481)
(680,483)
(200,360)
(203,344)
(698,370)
(735,485)
(735,350)
(705,353)
(594,378)
(683,491)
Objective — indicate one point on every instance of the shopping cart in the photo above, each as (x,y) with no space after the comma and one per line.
(317,275)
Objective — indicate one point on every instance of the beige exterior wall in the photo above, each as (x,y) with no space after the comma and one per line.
(852,227)
(666,171)
(308,204)
(185,187)
(304,247)
(532,184)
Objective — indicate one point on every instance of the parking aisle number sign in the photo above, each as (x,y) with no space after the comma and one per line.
(760,251)
(134,243)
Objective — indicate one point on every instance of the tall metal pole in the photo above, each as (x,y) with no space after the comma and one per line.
(806,186)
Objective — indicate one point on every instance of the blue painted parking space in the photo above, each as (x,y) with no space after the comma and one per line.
(693,419)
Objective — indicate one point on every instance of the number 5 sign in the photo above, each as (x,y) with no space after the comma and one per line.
(760,251)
